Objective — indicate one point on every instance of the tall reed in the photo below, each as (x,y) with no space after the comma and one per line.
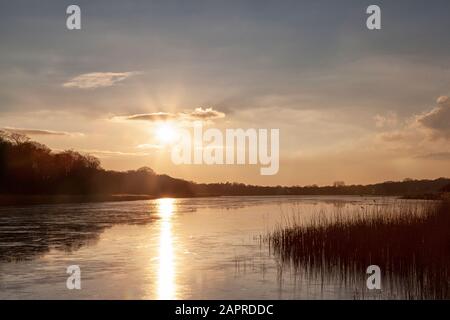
(410,243)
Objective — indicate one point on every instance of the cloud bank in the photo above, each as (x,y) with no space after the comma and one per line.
(437,121)
(422,136)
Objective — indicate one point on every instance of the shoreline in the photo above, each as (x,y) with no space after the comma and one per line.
(26,200)
(30,200)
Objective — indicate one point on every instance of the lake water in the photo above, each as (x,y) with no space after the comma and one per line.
(199,248)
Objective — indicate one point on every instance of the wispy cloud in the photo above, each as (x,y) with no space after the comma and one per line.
(388,120)
(435,156)
(392,136)
(149,146)
(205,114)
(98,79)
(196,114)
(40,132)
(156,116)
(109,153)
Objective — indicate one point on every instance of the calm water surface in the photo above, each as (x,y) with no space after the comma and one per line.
(202,248)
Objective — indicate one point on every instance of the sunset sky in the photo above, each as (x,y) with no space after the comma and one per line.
(351,104)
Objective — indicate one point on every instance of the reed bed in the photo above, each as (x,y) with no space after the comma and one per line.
(409,242)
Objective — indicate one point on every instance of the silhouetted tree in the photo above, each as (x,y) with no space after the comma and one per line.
(338,184)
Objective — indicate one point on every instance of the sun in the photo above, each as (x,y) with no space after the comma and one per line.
(166,133)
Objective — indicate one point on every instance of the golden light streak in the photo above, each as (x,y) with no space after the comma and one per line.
(166,273)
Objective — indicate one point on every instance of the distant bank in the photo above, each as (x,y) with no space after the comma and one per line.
(31,173)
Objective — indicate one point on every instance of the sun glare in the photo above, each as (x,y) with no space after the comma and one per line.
(166,133)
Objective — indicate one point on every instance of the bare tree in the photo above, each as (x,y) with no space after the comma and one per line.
(14,137)
(337,184)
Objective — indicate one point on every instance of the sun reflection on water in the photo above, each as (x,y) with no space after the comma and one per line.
(166,273)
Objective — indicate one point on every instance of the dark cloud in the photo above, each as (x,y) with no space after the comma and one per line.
(438,119)
(156,116)
(197,114)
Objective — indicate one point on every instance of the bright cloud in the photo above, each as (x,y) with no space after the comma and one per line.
(98,79)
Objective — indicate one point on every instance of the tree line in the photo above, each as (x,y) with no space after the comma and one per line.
(30,168)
